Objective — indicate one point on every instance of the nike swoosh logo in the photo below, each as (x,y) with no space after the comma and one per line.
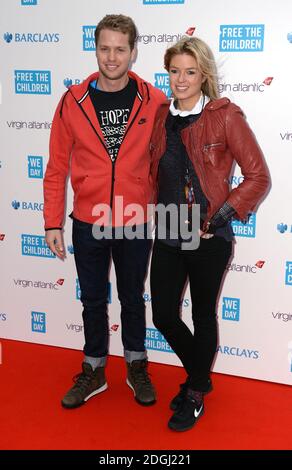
(196,413)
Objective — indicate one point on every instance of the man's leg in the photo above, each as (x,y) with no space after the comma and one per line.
(92,258)
(131,260)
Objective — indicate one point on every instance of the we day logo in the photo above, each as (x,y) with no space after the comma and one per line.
(231,308)
(161,81)
(38,322)
(35,166)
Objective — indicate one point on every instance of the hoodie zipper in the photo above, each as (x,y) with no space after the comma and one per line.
(114,162)
(103,144)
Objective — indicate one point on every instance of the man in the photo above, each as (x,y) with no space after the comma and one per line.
(100,134)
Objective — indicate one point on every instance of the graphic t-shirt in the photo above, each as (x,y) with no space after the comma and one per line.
(113,110)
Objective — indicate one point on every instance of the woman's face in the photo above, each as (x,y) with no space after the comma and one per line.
(185,80)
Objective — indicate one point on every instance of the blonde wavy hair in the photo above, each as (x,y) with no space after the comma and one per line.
(202,53)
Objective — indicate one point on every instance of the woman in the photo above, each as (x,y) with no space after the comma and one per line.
(197,139)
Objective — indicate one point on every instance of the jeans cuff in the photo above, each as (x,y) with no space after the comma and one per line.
(131,356)
(95,361)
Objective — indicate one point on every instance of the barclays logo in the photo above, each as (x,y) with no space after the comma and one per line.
(32,37)
(289,37)
(3,316)
(27,205)
(8,37)
(239,352)
(241,38)
(69,82)
(282,228)
(70,249)
(235,180)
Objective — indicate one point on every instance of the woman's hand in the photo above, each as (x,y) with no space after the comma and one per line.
(205,235)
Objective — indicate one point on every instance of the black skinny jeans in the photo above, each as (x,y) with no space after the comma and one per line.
(205,268)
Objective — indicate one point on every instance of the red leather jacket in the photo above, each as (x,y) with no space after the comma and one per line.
(214,143)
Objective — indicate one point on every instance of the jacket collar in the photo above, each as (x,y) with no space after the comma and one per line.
(80,91)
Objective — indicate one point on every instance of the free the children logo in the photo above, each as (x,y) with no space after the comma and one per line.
(247,229)
(155,341)
(241,37)
(35,245)
(32,82)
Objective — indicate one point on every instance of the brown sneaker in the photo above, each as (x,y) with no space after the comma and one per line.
(87,384)
(139,381)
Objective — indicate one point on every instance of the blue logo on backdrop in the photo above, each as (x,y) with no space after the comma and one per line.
(247,229)
(239,352)
(35,245)
(282,228)
(109,291)
(162,2)
(29,2)
(32,37)
(288,273)
(162,83)
(33,82)
(70,249)
(35,166)
(88,38)
(8,37)
(241,37)
(27,205)
(231,308)
(38,322)
(69,81)
(154,340)
(3,316)
(289,37)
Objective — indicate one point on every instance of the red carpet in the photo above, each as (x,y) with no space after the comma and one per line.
(240,413)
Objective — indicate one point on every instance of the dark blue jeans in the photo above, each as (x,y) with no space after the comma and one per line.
(93,259)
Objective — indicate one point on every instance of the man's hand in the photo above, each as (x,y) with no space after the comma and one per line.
(54,240)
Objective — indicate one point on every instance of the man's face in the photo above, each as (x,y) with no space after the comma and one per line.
(113,54)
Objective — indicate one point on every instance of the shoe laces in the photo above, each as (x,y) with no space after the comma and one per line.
(141,376)
(82,381)
(193,399)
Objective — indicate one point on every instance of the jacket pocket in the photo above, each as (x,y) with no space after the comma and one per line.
(214,153)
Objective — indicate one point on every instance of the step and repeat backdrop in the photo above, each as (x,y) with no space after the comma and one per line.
(47,45)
